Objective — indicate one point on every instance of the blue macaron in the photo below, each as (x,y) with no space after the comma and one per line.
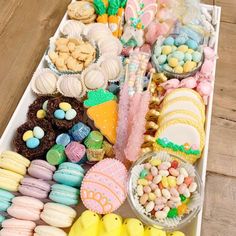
(70,174)
(65,195)
(5,199)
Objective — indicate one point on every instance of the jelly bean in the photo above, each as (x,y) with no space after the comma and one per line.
(174,192)
(182,209)
(171,204)
(32,143)
(45,105)
(147,189)
(164,172)
(71,114)
(178,69)
(150,206)
(27,135)
(157,51)
(180,40)
(38,132)
(155,162)
(192,187)
(187,193)
(186,201)
(160,215)
(160,186)
(149,177)
(169,41)
(175,199)
(164,182)
(197,56)
(147,166)
(163,166)
(183,48)
(174,172)
(192,44)
(153,186)
(166,209)
(151,196)
(65,106)
(166,193)
(162,59)
(174,164)
(154,171)
(139,190)
(171,181)
(182,188)
(173,62)
(41,114)
(157,179)
(180,179)
(179,55)
(143,182)
(157,192)
(143,199)
(172,213)
(182,197)
(188,57)
(166,50)
(159,207)
(183,172)
(188,180)
(59,114)
(143,173)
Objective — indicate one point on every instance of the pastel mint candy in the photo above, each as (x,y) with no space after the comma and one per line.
(192,44)
(169,41)
(59,114)
(32,143)
(197,56)
(70,114)
(38,132)
(157,50)
(179,55)
(167,68)
(162,59)
(188,57)
(180,40)
(181,63)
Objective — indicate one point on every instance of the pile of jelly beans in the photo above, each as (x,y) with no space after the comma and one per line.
(41,113)
(164,189)
(65,111)
(178,55)
(33,137)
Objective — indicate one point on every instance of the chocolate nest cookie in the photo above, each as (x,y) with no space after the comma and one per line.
(64,112)
(34,138)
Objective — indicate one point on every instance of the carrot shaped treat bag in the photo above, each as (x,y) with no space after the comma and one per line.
(101,9)
(113,19)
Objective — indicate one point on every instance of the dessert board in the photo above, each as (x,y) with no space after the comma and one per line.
(19,117)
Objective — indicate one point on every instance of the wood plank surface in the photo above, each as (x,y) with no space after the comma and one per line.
(25,28)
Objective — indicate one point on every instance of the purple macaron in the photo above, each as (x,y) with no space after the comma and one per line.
(41,169)
(36,188)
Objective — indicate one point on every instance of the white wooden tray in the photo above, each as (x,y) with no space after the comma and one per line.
(19,117)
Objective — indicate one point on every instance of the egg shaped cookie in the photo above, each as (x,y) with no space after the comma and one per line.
(94,78)
(103,188)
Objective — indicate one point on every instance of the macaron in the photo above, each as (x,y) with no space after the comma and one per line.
(5,199)
(25,208)
(41,169)
(15,227)
(70,174)
(58,215)
(33,187)
(64,194)
(42,230)
(9,180)
(14,162)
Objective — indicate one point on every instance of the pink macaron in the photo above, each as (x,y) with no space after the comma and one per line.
(25,208)
(41,169)
(15,227)
(33,187)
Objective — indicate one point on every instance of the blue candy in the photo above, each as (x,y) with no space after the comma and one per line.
(179,55)
(169,41)
(59,114)
(63,139)
(197,56)
(79,131)
(180,40)
(162,59)
(192,44)
(32,143)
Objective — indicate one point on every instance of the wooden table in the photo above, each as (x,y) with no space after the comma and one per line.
(25,27)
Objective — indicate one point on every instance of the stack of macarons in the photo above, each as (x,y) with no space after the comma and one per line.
(5,200)
(46,230)
(58,215)
(12,170)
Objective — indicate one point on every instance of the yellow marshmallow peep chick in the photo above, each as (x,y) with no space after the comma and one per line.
(132,227)
(86,225)
(176,233)
(151,231)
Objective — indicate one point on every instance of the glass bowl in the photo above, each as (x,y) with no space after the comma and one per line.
(169,224)
(171,74)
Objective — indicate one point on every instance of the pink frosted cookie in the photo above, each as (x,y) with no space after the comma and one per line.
(103,188)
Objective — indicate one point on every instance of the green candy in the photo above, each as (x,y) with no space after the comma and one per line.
(182,197)
(172,213)
(143,174)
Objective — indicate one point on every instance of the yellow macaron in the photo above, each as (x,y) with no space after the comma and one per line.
(14,162)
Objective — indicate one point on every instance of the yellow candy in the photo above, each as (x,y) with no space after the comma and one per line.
(189,66)
(65,106)
(164,182)
(182,209)
(190,50)
(173,62)
(155,162)
(178,69)
(186,201)
(151,196)
(166,50)
(41,114)
(183,48)
(27,135)
(171,181)
(142,182)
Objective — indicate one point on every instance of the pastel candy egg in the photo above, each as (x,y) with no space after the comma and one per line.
(41,114)
(167,67)
(27,135)
(188,57)
(178,69)
(183,48)
(197,56)
(181,63)
(45,105)
(179,55)
(180,40)
(166,50)
(65,106)
(192,44)
(157,51)
(38,132)
(32,143)
(162,59)
(169,41)
(189,66)
(59,114)
(173,62)
(71,114)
